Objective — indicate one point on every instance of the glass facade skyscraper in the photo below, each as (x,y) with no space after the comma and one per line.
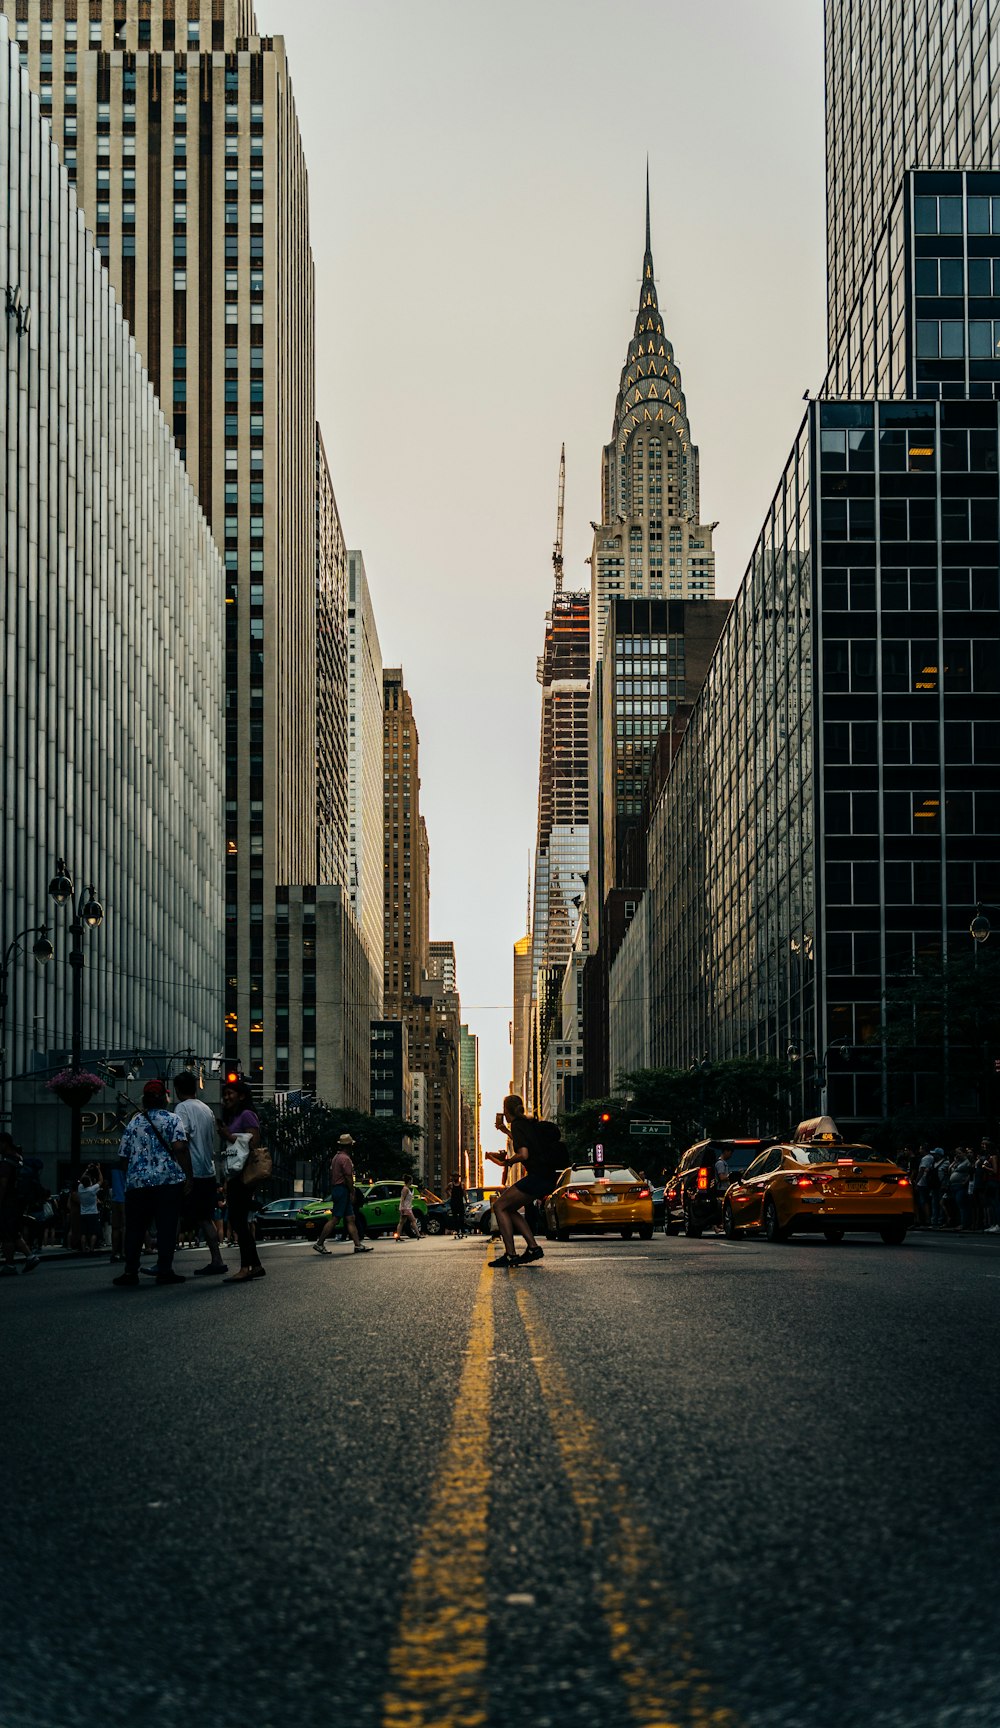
(111,659)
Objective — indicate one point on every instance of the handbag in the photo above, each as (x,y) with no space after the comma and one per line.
(258,1166)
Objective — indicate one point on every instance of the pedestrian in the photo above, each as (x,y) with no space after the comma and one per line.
(239,1129)
(341,1195)
(89,1188)
(199,1126)
(535,1144)
(990,1162)
(12,1240)
(407,1221)
(925,1188)
(117,1211)
(457,1202)
(959,1177)
(157,1171)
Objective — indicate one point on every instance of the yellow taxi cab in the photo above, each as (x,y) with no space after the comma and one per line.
(817,1183)
(594,1199)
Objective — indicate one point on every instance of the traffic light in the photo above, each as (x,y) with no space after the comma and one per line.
(232,1077)
(604,1119)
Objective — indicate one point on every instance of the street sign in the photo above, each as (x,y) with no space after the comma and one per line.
(660,1129)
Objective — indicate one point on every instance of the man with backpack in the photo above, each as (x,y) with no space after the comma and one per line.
(15,1197)
(538,1146)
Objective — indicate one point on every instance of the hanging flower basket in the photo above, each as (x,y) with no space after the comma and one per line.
(74,1088)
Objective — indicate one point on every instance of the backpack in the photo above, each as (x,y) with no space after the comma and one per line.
(545,1140)
(29,1189)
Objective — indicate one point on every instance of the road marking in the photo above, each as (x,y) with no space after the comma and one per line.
(438,1663)
(637,1614)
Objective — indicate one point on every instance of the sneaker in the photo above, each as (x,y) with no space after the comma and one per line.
(126,1280)
(32,1261)
(170,1278)
(148,1271)
(506,1260)
(320,1248)
(218,1267)
(993,1229)
(531,1254)
(361,1248)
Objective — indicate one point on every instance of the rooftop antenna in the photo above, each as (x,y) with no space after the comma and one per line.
(557,550)
(527,924)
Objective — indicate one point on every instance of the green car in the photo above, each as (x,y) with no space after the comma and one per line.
(380,1209)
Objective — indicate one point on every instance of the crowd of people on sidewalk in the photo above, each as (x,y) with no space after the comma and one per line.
(957,1189)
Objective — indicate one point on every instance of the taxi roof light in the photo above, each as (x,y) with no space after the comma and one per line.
(818,1131)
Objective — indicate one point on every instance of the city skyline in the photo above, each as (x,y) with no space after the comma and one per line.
(743,304)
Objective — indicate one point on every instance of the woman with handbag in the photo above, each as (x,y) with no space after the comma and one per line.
(239,1130)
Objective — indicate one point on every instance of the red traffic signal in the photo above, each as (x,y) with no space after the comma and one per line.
(605,1118)
(232,1077)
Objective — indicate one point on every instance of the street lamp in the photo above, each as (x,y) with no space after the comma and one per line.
(42,949)
(88,914)
(981,928)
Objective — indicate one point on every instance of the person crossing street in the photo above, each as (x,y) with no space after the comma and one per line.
(342,1196)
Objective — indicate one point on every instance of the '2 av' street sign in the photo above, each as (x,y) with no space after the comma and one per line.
(660,1129)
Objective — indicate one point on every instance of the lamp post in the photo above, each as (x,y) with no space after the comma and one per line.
(42,950)
(980,927)
(88,914)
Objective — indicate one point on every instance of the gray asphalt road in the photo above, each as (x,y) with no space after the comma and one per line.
(665,1484)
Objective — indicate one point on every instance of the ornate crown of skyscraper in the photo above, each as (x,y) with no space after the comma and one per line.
(650,388)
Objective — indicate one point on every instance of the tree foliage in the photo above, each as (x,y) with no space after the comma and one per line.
(744,1096)
(308,1134)
(956,1000)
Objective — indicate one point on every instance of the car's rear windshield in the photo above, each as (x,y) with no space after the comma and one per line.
(581,1177)
(833,1154)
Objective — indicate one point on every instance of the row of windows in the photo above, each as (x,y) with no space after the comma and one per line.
(908,451)
(945,278)
(910,519)
(910,742)
(911,664)
(944,339)
(945,216)
(912,813)
(907,884)
(962,590)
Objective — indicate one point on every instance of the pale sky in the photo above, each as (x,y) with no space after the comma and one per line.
(477,181)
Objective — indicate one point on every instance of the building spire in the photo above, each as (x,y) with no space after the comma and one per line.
(649,247)
(528,920)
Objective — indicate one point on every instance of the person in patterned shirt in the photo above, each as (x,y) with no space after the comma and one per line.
(157,1174)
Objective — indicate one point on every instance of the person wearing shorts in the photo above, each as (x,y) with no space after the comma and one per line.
(201,1198)
(342,1199)
(539,1179)
(89,1189)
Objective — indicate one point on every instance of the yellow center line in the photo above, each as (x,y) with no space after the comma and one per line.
(637,1614)
(438,1663)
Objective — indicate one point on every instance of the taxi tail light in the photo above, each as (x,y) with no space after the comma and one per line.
(702,1180)
(903,1182)
(645,1194)
(573,1194)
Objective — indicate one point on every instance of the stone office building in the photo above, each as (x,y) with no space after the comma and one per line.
(111,664)
(178,123)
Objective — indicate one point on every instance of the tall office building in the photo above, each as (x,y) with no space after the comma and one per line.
(111,662)
(907,86)
(332,685)
(520,1026)
(650,540)
(179,125)
(443,964)
(366,727)
(561,841)
(471,1146)
(831,818)
(406,854)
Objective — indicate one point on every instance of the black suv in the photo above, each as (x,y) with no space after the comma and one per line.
(693,1195)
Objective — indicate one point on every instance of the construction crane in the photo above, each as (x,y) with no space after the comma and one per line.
(557,550)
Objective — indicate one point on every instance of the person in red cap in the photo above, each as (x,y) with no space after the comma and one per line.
(158,1170)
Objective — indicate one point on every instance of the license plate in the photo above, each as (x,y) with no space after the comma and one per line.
(856,1185)
(609,1199)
